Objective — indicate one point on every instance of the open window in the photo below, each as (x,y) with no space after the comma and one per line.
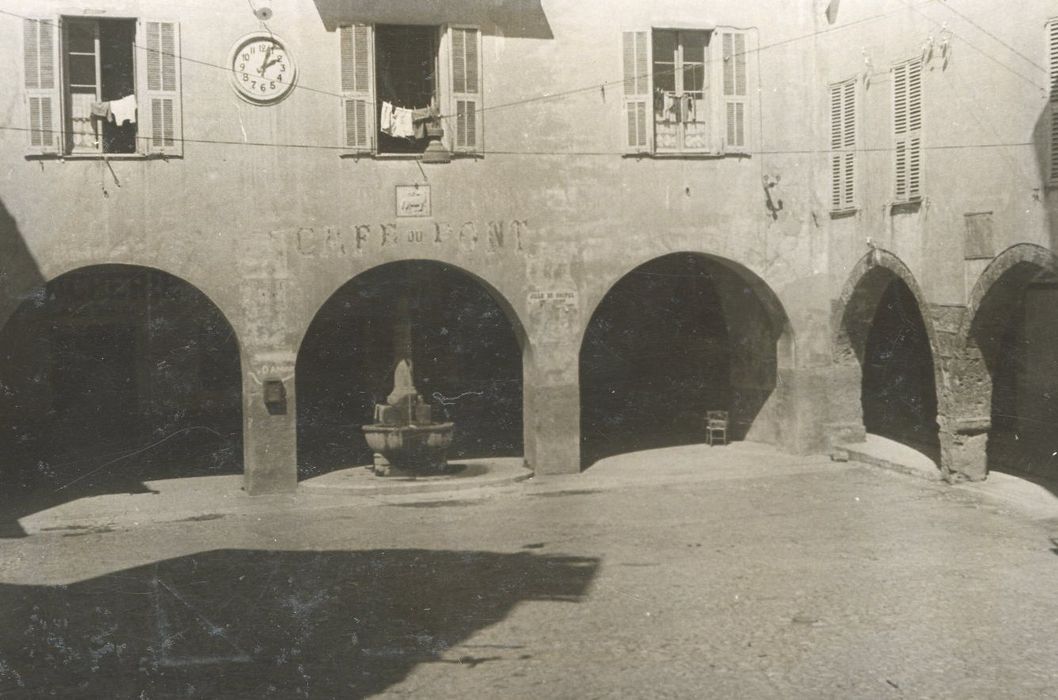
(400,83)
(98,86)
(685,91)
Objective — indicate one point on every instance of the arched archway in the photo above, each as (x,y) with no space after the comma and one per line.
(676,337)
(1012,323)
(467,360)
(113,375)
(882,328)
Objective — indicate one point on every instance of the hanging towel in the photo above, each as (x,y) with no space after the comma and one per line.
(403,126)
(420,118)
(100,110)
(123,110)
(385,121)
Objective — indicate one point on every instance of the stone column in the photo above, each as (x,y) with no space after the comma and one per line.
(269,422)
(552,410)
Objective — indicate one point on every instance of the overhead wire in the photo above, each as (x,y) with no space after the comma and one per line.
(595,86)
(741,153)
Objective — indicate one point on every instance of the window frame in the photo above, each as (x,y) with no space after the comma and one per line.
(353,96)
(718,100)
(844,147)
(908,141)
(149,54)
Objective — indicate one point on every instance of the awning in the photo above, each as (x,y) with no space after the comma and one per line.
(520,18)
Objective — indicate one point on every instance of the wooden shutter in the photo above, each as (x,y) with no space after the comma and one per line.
(358,103)
(907,130)
(637,91)
(158,106)
(40,52)
(1052,63)
(843,145)
(735,90)
(465,69)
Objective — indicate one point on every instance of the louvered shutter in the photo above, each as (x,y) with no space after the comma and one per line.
(465,69)
(637,91)
(735,90)
(843,145)
(158,102)
(358,103)
(1052,62)
(907,130)
(40,52)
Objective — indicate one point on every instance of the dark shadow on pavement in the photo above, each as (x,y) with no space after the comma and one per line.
(255,624)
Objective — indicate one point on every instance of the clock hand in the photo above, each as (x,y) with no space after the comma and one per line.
(265,63)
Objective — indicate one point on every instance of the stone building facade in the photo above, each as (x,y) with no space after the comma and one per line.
(824,218)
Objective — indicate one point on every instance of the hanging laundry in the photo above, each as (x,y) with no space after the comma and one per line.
(123,110)
(385,121)
(100,110)
(403,126)
(420,118)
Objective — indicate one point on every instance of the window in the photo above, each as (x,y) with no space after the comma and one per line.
(907,130)
(843,145)
(685,91)
(1052,63)
(398,80)
(102,86)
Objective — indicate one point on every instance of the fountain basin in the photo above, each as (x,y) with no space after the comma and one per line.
(409,449)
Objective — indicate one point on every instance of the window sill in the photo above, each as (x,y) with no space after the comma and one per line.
(406,156)
(844,213)
(687,156)
(906,207)
(99,156)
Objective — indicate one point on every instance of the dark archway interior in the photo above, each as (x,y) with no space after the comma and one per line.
(677,337)
(114,375)
(899,394)
(1016,329)
(467,363)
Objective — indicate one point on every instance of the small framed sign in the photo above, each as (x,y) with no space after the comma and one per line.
(413,200)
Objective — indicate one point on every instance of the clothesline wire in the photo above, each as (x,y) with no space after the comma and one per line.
(325,147)
(544,96)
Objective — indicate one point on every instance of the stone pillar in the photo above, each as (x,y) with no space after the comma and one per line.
(967,420)
(843,386)
(552,410)
(269,422)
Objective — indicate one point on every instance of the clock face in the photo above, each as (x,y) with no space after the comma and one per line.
(262,70)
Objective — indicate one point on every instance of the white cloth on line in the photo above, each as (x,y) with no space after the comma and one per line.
(385,124)
(123,110)
(403,123)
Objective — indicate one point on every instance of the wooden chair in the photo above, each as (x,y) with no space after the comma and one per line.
(716,427)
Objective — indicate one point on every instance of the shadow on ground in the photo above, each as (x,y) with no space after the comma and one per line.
(252,624)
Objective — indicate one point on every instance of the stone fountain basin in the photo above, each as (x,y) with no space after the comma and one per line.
(411,446)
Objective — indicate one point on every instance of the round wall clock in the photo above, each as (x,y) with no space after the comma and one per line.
(262,70)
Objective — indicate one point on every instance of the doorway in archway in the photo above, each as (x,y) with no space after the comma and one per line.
(467,363)
(677,337)
(898,391)
(114,375)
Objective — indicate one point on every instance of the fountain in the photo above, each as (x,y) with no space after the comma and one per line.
(404,438)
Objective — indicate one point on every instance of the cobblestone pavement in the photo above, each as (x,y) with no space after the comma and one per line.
(811,579)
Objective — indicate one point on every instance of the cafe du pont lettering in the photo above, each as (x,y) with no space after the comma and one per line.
(489,236)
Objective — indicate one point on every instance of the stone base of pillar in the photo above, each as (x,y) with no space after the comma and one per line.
(969,456)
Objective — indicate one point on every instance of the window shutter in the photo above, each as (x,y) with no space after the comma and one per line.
(1052,63)
(358,103)
(735,90)
(637,91)
(843,145)
(158,100)
(907,130)
(465,53)
(40,51)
